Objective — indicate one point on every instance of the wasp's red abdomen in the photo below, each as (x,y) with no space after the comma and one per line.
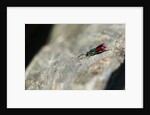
(100,48)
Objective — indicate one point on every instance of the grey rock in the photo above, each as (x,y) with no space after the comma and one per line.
(56,66)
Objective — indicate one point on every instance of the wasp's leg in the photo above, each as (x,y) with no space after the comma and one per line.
(88,57)
(99,52)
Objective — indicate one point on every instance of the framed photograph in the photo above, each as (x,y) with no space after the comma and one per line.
(74,57)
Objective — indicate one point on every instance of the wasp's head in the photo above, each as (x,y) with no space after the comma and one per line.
(87,54)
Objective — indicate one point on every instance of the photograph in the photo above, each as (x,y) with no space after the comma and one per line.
(75,56)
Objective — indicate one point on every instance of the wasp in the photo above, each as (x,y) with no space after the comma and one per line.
(98,50)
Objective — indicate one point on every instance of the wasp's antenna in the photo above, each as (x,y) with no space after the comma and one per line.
(80,55)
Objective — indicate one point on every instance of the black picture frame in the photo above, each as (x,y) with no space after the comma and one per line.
(44,3)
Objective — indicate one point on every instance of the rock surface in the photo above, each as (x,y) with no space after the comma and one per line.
(56,66)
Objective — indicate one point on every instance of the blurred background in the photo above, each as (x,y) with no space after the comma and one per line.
(36,36)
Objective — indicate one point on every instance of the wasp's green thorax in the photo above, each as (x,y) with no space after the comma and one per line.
(91,52)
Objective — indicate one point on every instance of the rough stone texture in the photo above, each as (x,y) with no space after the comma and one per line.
(56,66)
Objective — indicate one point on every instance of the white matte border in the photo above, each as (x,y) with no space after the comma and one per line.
(18,97)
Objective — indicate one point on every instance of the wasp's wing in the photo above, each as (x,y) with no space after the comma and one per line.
(100,45)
